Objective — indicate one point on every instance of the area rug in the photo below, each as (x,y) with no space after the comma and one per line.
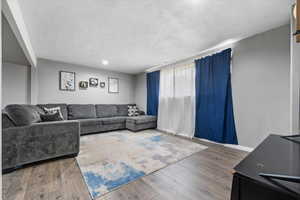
(110,160)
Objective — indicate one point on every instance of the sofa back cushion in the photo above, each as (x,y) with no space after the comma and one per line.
(23,115)
(63,108)
(6,121)
(106,110)
(81,111)
(123,109)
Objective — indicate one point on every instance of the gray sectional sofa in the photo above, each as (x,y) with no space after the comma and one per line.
(25,139)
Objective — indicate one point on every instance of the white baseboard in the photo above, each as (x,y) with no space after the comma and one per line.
(239,147)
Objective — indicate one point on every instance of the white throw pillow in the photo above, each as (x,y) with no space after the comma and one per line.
(133,111)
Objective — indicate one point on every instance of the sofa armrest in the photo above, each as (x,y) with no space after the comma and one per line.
(39,141)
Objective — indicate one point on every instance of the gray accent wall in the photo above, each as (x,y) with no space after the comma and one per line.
(260,85)
(141,91)
(15,84)
(48,85)
(11,49)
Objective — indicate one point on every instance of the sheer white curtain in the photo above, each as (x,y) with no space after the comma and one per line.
(176,110)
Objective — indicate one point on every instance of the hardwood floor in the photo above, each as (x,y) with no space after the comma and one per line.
(205,175)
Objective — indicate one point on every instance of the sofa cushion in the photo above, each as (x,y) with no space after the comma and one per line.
(6,121)
(113,120)
(123,109)
(90,122)
(142,119)
(106,110)
(23,115)
(63,108)
(81,111)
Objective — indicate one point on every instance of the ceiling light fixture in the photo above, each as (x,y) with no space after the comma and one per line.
(105,62)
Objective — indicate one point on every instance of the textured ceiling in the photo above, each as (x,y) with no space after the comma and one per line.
(137,34)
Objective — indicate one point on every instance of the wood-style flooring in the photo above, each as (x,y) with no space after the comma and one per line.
(206,175)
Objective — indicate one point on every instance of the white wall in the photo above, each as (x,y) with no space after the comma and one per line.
(141,91)
(15,71)
(34,85)
(11,49)
(48,85)
(260,85)
(294,81)
(15,84)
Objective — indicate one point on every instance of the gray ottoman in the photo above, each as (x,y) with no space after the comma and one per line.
(141,122)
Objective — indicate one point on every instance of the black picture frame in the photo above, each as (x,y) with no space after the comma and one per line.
(83,85)
(64,88)
(102,84)
(113,85)
(94,82)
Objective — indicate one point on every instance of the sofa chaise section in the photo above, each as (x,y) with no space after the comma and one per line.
(139,123)
(109,117)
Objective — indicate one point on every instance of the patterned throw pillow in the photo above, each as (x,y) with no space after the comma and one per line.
(133,111)
(53,111)
(51,117)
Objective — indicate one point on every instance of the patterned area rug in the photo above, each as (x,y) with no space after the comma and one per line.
(109,160)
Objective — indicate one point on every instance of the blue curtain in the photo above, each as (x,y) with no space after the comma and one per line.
(152,92)
(214,110)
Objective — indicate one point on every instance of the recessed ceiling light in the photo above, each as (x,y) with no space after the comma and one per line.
(105,62)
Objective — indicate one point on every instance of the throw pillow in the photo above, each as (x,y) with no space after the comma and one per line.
(53,111)
(23,115)
(51,117)
(133,111)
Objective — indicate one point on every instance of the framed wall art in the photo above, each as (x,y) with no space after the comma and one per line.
(113,85)
(102,84)
(93,82)
(67,81)
(83,84)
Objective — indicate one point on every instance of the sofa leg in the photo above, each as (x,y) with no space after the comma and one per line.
(72,155)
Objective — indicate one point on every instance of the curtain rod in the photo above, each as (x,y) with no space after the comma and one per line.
(190,60)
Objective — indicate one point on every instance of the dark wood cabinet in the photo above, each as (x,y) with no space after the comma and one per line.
(275,155)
